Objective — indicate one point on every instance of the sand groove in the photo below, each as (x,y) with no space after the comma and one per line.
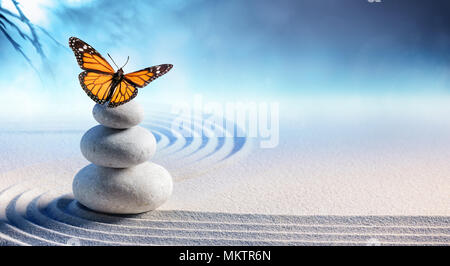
(33,218)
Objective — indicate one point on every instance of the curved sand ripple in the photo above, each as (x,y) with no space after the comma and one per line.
(33,218)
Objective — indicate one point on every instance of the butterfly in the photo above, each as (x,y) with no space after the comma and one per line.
(103,84)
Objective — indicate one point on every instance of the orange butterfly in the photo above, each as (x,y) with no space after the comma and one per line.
(104,85)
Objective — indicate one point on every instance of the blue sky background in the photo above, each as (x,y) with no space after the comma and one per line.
(236,49)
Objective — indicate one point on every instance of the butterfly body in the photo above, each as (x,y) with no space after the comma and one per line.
(116,79)
(104,85)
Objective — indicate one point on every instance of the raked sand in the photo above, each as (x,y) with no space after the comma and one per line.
(368,180)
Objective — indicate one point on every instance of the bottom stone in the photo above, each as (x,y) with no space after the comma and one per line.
(137,189)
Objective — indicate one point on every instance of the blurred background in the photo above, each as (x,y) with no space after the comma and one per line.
(314,55)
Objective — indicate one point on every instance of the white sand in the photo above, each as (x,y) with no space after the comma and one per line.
(368,180)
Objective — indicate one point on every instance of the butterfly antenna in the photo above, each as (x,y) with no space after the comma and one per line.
(128,58)
(113,61)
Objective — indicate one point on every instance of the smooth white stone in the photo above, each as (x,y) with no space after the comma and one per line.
(123,116)
(118,148)
(136,189)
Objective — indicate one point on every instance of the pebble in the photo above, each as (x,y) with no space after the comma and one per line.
(117,148)
(123,116)
(136,189)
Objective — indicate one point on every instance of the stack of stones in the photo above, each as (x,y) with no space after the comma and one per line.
(120,179)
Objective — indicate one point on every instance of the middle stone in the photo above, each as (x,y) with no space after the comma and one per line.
(118,148)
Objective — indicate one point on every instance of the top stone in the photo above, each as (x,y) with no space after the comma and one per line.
(123,116)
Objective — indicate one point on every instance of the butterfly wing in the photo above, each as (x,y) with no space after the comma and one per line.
(143,77)
(123,93)
(96,85)
(126,90)
(88,58)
